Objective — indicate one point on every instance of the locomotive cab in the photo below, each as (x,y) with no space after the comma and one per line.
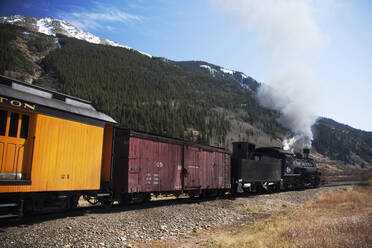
(271,168)
(252,170)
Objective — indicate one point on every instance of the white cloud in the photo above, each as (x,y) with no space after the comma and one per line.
(99,17)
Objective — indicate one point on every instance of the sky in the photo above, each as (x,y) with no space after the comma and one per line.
(323,47)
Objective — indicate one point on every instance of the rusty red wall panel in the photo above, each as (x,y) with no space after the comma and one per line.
(206,169)
(148,163)
(153,166)
(192,166)
(212,168)
(120,162)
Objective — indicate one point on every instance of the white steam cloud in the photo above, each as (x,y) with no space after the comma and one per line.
(291,37)
(293,94)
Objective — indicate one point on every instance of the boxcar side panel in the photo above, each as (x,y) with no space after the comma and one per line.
(192,166)
(134,162)
(169,166)
(219,167)
(214,169)
(121,162)
(148,163)
(227,171)
(158,163)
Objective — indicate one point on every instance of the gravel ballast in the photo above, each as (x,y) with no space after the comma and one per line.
(158,220)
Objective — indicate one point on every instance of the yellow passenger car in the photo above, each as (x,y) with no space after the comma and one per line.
(51,148)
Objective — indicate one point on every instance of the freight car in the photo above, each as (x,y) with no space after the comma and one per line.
(145,164)
(271,169)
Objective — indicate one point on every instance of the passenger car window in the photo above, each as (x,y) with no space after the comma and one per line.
(3,117)
(13,128)
(24,126)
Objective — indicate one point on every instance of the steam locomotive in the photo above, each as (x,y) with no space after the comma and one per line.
(55,148)
(271,169)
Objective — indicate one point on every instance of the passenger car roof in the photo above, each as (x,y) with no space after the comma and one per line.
(16,89)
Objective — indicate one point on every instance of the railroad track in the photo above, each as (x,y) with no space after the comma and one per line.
(335,184)
(99,209)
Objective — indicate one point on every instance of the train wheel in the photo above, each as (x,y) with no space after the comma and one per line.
(146,197)
(316,181)
(74,201)
(124,200)
(107,203)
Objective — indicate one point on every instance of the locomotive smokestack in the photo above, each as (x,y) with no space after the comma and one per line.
(306,152)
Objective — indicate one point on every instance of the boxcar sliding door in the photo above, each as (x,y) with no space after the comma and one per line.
(191,168)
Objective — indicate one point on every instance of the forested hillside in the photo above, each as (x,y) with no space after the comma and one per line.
(219,72)
(142,93)
(342,142)
(178,99)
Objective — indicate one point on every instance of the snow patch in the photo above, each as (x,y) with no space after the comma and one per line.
(79,34)
(227,71)
(243,75)
(44,26)
(13,19)
(146,54)
(211,70)
(56,41)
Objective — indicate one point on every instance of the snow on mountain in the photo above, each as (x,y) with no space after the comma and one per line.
(52,26)
(220,72)
(15,19)
(227,71)
(210,69)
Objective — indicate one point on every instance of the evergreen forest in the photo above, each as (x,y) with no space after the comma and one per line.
(157,95)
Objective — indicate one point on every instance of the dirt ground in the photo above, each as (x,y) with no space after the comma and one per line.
(162,223)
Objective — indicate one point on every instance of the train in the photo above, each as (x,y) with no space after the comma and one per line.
(56,148)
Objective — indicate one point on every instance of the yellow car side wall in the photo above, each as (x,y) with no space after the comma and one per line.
(107,152)
(67,155)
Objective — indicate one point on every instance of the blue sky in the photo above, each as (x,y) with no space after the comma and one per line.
(330,38)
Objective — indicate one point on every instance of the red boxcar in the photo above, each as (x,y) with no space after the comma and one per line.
(144,163)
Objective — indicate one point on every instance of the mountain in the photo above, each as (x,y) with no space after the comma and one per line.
(221,72)
(150,94)
(342,142)
(52,26)
(190,99)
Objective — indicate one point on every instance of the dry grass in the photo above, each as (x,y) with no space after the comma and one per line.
(342,219)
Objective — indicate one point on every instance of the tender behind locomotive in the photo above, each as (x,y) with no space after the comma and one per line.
(271,168)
